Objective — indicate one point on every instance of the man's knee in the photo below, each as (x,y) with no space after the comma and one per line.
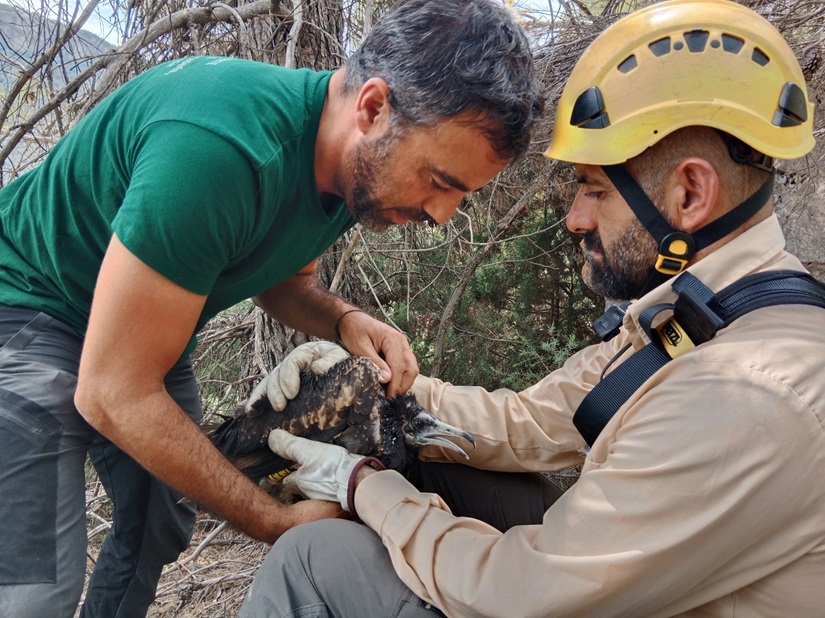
(273,593)
(284,582)
(337,537)
(301,545)
(314,568)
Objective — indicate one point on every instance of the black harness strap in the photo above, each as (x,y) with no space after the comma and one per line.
(698,314)
(600,404)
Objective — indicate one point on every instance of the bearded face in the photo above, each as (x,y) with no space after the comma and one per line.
(369,178)
(368,159)
(402,173)
(620,270)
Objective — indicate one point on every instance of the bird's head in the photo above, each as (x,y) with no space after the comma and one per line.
(419,428)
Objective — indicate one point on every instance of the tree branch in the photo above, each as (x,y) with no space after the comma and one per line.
(446,318)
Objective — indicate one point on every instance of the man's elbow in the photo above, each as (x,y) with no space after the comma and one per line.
(97,403)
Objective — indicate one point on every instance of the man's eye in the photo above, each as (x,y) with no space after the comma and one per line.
(439,187)
(593,194)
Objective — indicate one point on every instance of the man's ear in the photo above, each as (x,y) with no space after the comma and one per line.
(372,105)
(695,193)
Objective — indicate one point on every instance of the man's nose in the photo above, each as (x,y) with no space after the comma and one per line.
(580,218)
(440,209)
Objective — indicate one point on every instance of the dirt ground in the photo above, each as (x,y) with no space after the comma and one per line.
(209,579)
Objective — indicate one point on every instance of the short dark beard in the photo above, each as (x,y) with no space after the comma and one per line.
(364,206)
(624,271)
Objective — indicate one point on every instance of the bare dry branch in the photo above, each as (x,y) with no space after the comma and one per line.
(474,263)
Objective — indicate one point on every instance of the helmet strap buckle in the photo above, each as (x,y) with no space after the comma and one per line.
(675,251)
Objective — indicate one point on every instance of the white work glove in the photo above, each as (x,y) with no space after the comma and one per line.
(284,382)
(326,470)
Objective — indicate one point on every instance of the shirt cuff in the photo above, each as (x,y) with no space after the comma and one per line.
(380,493)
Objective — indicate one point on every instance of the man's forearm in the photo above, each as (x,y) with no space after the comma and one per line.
(159,436)
(302,303)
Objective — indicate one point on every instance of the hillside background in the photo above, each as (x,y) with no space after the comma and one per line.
(20,45)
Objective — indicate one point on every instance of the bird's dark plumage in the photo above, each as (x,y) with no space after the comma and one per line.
(346,406)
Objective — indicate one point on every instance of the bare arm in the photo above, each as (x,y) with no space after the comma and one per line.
(139,325)
(304,304)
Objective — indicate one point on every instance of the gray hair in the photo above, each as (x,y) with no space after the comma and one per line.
(652,166)
(445,58)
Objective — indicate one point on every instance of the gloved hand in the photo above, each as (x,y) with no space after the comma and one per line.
(284,382)
(326,470)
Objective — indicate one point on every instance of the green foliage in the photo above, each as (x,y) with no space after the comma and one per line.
(524,312)
(533,363)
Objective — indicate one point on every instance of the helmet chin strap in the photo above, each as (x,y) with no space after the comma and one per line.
(677,247)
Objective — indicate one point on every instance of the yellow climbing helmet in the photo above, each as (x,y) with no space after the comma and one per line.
(680,63)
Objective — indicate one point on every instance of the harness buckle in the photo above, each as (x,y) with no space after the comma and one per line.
(674,338)
(694,308)
(608,324)
(669,265)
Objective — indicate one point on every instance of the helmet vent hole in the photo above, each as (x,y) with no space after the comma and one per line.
(678,45)
(760,57)
(660,47)
(732,44)
(628,64)
(697,40)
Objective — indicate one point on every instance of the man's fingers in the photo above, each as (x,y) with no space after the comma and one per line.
(402,384)
(329,356)
(265,390)
(283,383)
(317,357)
(405,367)
(383,368)
(300,359)
(387,347)
(277,399)
(289,375)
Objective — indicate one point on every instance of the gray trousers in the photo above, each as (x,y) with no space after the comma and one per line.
(43,446)
(340,568)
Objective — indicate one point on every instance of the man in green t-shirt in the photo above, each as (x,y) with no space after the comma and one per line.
(200,183)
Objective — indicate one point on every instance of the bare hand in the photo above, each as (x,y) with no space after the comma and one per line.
(387,347)
(305,511)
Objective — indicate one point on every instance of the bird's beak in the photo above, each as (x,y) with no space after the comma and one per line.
(437,434)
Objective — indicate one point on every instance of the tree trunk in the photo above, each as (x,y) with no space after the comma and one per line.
(312,37)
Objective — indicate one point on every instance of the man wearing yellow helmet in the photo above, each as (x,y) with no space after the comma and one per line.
(684,64)
(701,413)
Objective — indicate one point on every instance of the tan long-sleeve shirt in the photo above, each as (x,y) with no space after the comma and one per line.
(703,496)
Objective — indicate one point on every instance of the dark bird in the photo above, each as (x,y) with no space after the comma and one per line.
(346,406)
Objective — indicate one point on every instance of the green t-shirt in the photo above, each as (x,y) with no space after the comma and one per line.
(203,167)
